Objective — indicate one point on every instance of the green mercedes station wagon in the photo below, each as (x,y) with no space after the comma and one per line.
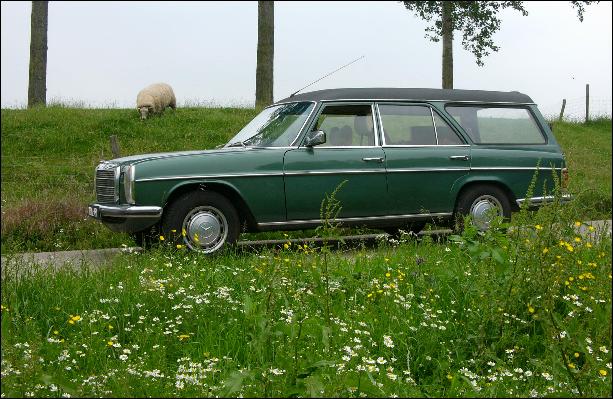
(406,157)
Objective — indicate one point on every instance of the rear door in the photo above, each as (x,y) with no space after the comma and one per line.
(424,158)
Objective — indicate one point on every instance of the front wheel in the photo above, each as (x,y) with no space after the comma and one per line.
(482,204)
(204,221)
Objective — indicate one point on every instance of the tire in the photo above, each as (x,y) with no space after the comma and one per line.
(481,203)
(208,219)
(413,227)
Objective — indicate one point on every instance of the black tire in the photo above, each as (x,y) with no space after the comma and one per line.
(413,227)
(478,202)
(208,219)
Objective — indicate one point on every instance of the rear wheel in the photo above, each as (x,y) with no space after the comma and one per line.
(204,221)
(482,203)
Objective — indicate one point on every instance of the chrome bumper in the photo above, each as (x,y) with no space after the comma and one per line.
(536,201)
(98,211)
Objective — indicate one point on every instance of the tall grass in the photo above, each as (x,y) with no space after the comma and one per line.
(520,313)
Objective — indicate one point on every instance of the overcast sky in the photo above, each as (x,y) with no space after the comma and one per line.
(103,53)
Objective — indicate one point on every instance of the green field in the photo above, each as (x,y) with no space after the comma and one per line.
(49,156)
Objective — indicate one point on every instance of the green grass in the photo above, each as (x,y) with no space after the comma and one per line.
(518,314)
(49,156)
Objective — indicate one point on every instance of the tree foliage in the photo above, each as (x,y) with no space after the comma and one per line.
(477,20)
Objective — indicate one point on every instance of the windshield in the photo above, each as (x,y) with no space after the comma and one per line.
(276,126)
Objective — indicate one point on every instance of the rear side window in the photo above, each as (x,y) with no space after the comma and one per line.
(497,125)
(414,125)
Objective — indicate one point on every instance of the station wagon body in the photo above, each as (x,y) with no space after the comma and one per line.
(406,156)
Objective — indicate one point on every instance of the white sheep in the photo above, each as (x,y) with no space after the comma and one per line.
(154,99)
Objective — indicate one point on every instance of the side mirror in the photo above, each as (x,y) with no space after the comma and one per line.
(314,138)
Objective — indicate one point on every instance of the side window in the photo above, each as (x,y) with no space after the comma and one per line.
(445,135)
(346,125)
(407,125)
(498,125)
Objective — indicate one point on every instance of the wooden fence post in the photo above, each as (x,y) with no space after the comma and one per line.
(587,102)
(562,110)
(115,146)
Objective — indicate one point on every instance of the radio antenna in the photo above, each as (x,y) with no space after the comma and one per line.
(323,77)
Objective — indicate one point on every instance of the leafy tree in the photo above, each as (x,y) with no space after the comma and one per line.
(265,55)
(37,87)
(477,20)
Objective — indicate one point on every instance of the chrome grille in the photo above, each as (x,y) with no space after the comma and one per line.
(105,186)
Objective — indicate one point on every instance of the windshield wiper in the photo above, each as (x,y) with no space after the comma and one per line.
(237,144)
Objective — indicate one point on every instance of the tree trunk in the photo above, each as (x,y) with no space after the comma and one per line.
(37,87)
(266,49)
(447,45)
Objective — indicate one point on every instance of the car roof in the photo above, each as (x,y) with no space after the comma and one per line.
(395,93)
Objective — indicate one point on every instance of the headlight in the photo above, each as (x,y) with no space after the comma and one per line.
(128,184)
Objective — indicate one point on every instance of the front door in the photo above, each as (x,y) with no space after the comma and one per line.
(351,155)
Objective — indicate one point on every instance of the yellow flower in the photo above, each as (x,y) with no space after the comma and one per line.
(56,332)
(602,372)
(577,239)
(569,248)
(110,327)
(110,343)
(387,260)
(183,336)
(387,274)
(545,250)
(173,231)
(591,228)
(179,246)
(161,238)
(538,227)
(183,232)
(576,354)
(530,309)
(571,278)
(71,321)
(76,318)
(571,365)
(588,245)
(577,224)
(449,377)
(285,246)
(369,295)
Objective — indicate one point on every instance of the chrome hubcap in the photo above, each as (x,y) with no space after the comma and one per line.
(483,210)
(205,229)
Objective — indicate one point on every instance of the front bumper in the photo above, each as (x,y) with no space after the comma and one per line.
(537,201)
(126,218)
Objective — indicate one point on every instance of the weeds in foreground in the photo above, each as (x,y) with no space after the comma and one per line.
(523,309)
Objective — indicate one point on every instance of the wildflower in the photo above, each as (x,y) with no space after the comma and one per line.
(110,343)
(123,357)
(183,336)
(161,238)
(530,309)
(387,341)
(387,260)
(285,246)
(538,227)
(387,274)
(577,239)
(179,246)
(602,372)
(576,354)
(588,245)
(577,224)
(604,349)
(591,228)
(545,250)
(571,365)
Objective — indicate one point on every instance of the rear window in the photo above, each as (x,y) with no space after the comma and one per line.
(497,125)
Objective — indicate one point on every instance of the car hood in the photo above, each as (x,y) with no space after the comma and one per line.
(134,159)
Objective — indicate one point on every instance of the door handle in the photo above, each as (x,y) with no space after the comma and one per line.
(459,157)
(376,159)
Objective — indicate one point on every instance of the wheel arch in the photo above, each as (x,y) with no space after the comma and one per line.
(486,182)
(223,188)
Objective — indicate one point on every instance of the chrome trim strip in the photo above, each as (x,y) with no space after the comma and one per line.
(421,100)
(333,172)
(220,176)
(423,145)
(541,200)
(429,170)
(375,128)
(357,219)
(513,168)
(129,211)
(434,124)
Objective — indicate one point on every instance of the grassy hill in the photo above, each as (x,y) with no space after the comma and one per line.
(49,156)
